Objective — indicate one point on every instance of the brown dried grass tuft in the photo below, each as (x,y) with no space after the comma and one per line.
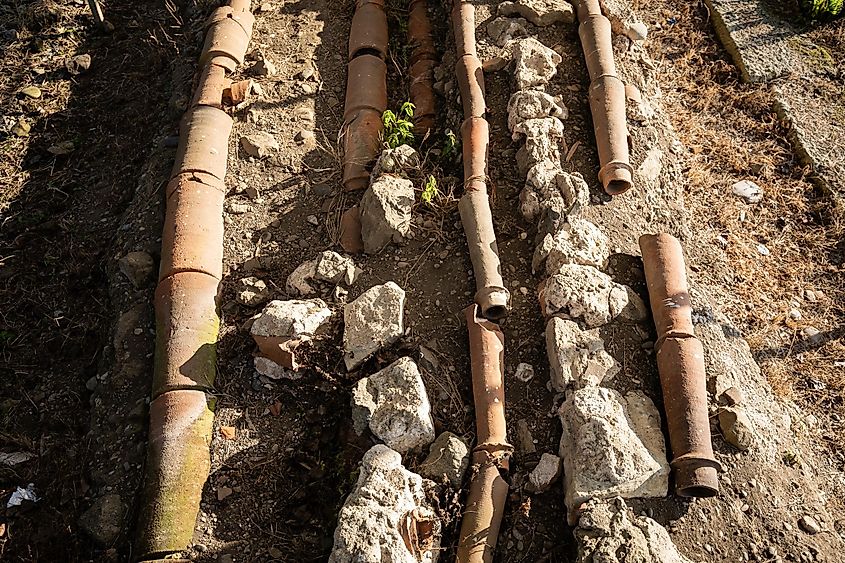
(733,134)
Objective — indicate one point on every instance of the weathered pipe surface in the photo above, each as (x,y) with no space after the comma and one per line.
(177,466)
(368,33)
(423,60)
(366,92)
(491,295)
(187,320)
(491,457)
(680,361)
(607,99)
(187,325)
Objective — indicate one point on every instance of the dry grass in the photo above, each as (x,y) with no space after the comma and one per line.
(732,134)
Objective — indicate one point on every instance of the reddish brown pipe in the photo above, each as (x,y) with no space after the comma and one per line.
(607,99)
(366,92)
(423,60)
(680,361)
(187,320)
(491,457)
(491,295)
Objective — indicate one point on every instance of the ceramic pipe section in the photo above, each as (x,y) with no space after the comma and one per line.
(680,361)
(366,92)
(488,489)
(491,295)
(607,99)
(186,299)
(423,60)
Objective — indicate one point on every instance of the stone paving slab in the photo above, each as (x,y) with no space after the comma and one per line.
(766,47)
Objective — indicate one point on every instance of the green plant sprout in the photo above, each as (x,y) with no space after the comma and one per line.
(397,127)
(451,146)
(430,190)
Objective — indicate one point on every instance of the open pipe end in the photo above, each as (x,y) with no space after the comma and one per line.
(699,482)
(617,178)
(494,303)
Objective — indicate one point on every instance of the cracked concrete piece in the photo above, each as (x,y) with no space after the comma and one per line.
(583,292)
(609,447)
(448,456)
(576,242)
(252,291)
(504,30)
(542,138)
(328,266)
(534,63)
(539,12)
(736,427)
(386,212)
(394,405)
(623,19)
(373,320)
(544,474)
(533,104)
(399,161)
(577,357)
(269,368)
(282,326)
(387,500)
(609,531)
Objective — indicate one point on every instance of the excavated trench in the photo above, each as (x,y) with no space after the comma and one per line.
(284,450)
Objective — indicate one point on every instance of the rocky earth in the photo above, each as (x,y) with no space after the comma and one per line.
(344,420)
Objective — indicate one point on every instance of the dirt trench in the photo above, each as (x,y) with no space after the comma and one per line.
(276,487)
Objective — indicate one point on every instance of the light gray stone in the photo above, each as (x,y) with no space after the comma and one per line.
(524,439)
(575,242)
(269,368)
(252,291)
(373,320)
(449,456)
(504,30)
(748,191)
(534,63)
(386,212)
(104,520)
(524,372)
(605,447)
(387,503)
(608,531)
(400,161)
(259,144)
(736,427)
(544,474)
(583,292)
(138,267)
(394,405)
(281,327)
(328,266)
(532,104)
(539,12)
(542,138)
(577,357)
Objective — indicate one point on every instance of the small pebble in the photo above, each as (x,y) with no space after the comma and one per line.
(809,525)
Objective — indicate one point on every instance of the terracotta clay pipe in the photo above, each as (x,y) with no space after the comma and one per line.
(366,92)
(187,322)
(680,361)
(491,295)
(488,489)
(423,60)
(607,99)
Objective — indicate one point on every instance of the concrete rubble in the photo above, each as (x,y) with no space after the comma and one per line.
(544,475)
(374,320)
(386,212)
(607,449)
(394,405)
(575,242)
(533,104)
(504,30)
(387,506)
(252,291)
(534,63)
(609,531)
(281,327)
(539,12)
(447,457)
(577,358)
(400,161)
(584,293)
(328,267)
